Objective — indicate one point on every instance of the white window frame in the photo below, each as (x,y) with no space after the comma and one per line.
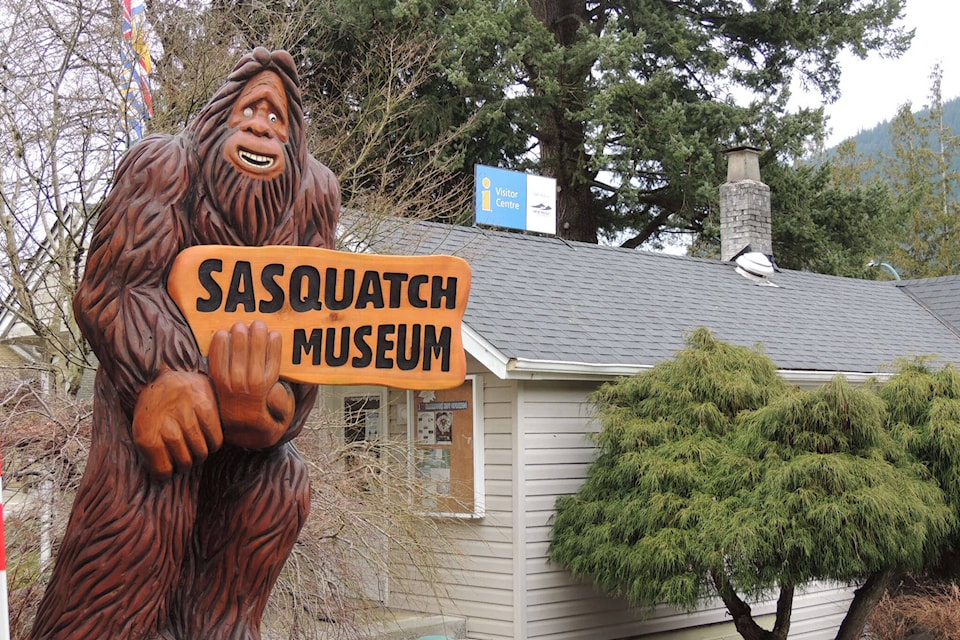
(479,495)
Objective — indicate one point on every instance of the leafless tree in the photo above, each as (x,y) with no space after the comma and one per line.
(359,129)
(363,519)
(45,440)
(59,144)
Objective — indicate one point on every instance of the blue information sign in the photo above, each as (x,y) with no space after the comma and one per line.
(515,200)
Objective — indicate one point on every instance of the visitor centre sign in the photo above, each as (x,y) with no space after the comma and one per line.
(516,200)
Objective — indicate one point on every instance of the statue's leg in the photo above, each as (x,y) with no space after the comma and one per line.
(251,509)
(120,555)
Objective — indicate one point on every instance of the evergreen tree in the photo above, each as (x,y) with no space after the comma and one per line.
(826,223)
(825,218)
(922,174)
(924,413)
(628,104)
(714,478)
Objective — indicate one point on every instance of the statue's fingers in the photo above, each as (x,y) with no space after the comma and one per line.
(210,428)
(172,434)
(274,353)
(239,352)
(281,403)
(259,340)
(195,442)
(218,360)
(157,461)
(146,437)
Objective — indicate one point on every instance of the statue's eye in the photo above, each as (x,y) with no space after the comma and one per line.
(248,112)
(273,118)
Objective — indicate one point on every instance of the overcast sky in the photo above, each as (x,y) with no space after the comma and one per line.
(872,90)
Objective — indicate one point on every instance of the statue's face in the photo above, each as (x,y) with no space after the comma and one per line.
(259,124)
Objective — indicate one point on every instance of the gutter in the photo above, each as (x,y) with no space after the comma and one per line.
(506,368)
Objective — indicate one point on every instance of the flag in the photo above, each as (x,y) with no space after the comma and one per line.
(135,78)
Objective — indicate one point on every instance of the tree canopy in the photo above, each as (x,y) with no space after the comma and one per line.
(713,477)
(627,104)
(891,199)
(823,220)
(924,413)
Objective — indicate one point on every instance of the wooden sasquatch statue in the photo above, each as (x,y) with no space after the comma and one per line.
(194,494)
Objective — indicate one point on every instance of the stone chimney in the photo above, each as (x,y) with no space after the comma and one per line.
(744,205)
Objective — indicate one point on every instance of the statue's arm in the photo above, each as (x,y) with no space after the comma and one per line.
(319,205)
(123,309)
(122,305)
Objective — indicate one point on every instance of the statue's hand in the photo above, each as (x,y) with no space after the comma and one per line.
(175,422)
(256,408)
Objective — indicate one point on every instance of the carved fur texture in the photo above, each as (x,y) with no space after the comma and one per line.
(193,556)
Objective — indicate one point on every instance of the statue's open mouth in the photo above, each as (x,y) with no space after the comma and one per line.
(255,160)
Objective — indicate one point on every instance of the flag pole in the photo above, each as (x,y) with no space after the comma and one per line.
(4,603)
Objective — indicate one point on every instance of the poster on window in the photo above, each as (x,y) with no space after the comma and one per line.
(425,427)
(436,466)
(444,427)
(444,438)
(362,418)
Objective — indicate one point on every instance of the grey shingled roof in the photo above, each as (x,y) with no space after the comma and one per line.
(546,299)
(941,296)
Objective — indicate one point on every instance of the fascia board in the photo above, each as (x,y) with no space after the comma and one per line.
(523,369)
(484,352)
(805,378)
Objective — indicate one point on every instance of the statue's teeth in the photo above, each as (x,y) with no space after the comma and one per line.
(256,159)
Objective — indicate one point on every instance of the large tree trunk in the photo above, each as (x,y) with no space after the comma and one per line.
(562,137)
(864,600)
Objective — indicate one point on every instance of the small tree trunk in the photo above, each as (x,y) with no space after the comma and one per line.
(784,611)
(46,497)
(742,616)
(864,600)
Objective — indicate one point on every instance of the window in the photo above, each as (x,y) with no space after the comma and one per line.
(362,417)
(447,442)
(443,430)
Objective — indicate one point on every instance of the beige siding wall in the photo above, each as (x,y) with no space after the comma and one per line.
(496,574)
(554,424)
(477,581)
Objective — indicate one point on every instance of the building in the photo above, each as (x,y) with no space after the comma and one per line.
(548,321)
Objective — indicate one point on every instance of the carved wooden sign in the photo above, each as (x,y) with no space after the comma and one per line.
(344,318)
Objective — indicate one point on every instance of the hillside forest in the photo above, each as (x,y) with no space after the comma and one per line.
(908,168)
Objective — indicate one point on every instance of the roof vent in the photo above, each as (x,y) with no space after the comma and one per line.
(755,267)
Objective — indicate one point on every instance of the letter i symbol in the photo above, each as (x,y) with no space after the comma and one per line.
(485,194)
